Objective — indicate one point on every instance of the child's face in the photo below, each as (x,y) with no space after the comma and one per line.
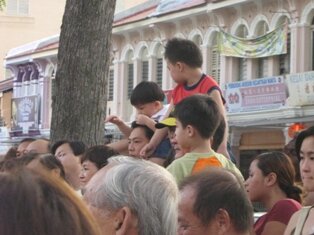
(148,109)
(181,135)
(175,71)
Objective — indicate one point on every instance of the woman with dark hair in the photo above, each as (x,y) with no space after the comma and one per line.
(94,159)
(272,182)
(302,222)
(33,203)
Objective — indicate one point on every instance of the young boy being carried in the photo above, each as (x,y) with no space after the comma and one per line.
(197,119)
(147,98)
(184,61)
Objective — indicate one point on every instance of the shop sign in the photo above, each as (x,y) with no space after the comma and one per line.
(25,113)
(253,95)
(301,89)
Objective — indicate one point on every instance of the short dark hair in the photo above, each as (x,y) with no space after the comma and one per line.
(148,132)
(301,137)
(146,92)
(219,188)
(98,155)
(201,112)
(183,50)
(78,147)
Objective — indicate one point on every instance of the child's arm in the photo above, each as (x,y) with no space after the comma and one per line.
(158,136)
(216,96)
(123,127)
(144,120)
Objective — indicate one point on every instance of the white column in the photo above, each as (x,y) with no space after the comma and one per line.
(301,59)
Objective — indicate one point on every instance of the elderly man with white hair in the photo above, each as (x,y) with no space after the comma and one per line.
(134,197)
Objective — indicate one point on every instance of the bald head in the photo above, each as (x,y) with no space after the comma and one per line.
(38,146)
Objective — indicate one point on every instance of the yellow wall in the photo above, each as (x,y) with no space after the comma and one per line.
(44,20)
(6,100)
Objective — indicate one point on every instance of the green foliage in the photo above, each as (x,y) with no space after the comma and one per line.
(2,4)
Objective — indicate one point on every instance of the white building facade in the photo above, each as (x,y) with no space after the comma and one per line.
(137,47)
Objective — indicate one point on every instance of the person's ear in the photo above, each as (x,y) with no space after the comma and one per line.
(190,130)
(222,222)
(125,221)
(271,179)
(180,66)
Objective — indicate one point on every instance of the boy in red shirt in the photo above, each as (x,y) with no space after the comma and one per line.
(184,61)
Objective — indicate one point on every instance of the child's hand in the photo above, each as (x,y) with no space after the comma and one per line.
(114,119)
(147,150)
(142,119)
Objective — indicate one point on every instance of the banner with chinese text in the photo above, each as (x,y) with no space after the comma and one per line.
(253,95)
(270,44)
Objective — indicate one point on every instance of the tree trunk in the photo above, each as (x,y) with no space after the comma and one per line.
(79,101)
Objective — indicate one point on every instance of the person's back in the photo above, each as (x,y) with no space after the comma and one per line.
(197,119)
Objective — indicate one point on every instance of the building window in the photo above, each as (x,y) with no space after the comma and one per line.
(144,70)
(312,27)
(130,79)
(262,63)
(262,67)
(17,7)
(144,58)
(215,61)
(159,71)
(242,75)
(110,85)
(242,32)
(284,59)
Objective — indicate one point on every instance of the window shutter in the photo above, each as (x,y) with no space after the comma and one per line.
(110,85)
(144,70)
(130,79)
(159,71)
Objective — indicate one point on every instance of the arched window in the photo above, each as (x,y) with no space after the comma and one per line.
(130,74)
(197,39)
(215,59)
(144,58)
(284,59)
(262,63)
(159,65)
(242,32)
(110,85)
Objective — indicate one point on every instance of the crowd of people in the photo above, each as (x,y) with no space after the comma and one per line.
(171,174)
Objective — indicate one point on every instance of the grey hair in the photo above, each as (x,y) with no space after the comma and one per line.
(147,189)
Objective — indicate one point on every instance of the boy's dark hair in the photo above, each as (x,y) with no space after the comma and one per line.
(218,188)
(98,155)
(183,50)
(148,132)
(78,147)
(201,112)
(146,92)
